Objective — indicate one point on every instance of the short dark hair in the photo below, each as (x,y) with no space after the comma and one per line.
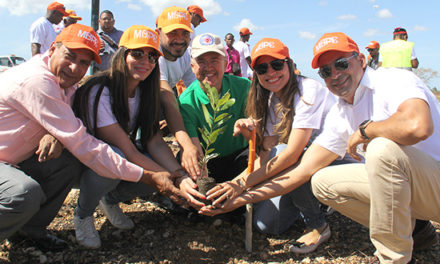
(108,12)
(229,34)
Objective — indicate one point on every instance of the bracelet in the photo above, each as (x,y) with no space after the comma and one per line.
(241,184)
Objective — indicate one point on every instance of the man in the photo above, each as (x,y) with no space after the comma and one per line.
(110,37)
(42,30)
(232,56)
(399,53)
(373,58)
(35,100)
(399,181)
(68,20)
(197,17)
(245,54)
(208,62)
(174,28)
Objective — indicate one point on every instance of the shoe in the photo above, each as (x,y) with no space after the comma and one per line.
(49,243)
(302,248)
(85,232)
(115,215)
(424,235)
(375,260)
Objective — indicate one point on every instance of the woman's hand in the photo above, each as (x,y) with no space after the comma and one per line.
(228,206)
(188,186)
(225,191)
(190,160)
(244,126)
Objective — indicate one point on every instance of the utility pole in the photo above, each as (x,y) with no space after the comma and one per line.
(95,25)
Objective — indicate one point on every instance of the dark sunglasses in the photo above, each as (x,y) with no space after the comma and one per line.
(277,65)
(139,54)
(340,65)
(370,50)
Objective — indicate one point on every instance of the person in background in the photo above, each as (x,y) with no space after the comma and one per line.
(373,58)
(399,53)
(289,109)
(110,37)
(245,54)
(197,17)
(232,56)
(42,30)
(72,18)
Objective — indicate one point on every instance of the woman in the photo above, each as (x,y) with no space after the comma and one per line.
(289,108)
(114,105)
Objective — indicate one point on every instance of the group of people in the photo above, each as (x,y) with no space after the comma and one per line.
(105,136)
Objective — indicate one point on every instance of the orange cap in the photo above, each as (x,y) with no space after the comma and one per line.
(245,31)
(336,41)
(77,36)
(197,10)
(58,7)
(71,13)
(373,45)
(174,18)
(270,47)
(139,36)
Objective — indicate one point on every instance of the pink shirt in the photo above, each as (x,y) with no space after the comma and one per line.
(32,104)
(235,57)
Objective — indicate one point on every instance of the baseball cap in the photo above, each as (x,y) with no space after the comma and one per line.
(336,41)
(270,47)
(77,36)
(58,7)
(245,31)
(71,13)
(373,45)
(174,18)
(399,30)
(207,42)
(197,10)
(139,36)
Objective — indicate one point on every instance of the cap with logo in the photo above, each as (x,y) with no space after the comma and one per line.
(270,47)
(245,31)
(207,42)
(197,10)
(77,36)
(399,30)
(174,18)
(71,13)
(58,7)
(139,36)
(373,45)
(336,41)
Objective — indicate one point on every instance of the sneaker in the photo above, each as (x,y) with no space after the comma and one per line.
(115,215)
(424,235)
(85,232)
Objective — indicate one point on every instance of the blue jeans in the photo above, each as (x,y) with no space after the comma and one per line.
(276,215)
(94,187)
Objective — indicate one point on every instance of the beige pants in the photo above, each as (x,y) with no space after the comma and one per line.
(395,186)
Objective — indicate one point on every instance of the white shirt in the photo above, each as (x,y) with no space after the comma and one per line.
(245,52)
(378,96)
(105,114)
(43,33)
(173,71)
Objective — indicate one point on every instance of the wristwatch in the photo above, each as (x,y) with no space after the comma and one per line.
(362,128)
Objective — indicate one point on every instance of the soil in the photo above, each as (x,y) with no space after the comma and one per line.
(167,236)
(204,184)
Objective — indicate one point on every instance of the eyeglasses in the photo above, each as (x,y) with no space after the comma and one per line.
(277,65)
(139,54)
(370,50)
(340,65)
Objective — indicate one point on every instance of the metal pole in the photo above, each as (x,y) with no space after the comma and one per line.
(95,25)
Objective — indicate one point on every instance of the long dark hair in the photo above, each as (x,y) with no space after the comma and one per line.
(257,106)
(116,79)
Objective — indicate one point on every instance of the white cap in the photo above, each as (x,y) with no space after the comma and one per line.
(207,42)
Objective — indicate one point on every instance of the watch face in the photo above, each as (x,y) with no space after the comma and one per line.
(364,122)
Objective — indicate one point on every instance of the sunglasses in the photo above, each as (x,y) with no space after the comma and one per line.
(277,65)
(370,50)
(139,54)
(340,65)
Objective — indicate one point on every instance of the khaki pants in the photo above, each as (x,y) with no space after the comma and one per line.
(396,185)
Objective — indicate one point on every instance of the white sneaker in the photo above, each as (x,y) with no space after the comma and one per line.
(85,232)
(115,215)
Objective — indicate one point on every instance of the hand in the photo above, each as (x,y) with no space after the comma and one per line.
(353,142)
(224,191)
(187,185)
(244,126)
(49,148)
(228,206)
(162,124)
(164,183)
(190,156)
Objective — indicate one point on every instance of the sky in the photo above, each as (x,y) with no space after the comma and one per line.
(298,24)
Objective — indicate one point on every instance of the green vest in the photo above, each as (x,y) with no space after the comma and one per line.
(396,53)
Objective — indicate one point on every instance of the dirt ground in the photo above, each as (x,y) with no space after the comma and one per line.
(164,236)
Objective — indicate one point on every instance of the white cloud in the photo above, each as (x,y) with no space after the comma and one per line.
(384,13)
(371,32)
(24,7)
(246,22)
(322,3)
(134,7)
(420,28)
(226,13)
(373,1)
(307,35)
(346,17)
(376,6)
(210,7)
